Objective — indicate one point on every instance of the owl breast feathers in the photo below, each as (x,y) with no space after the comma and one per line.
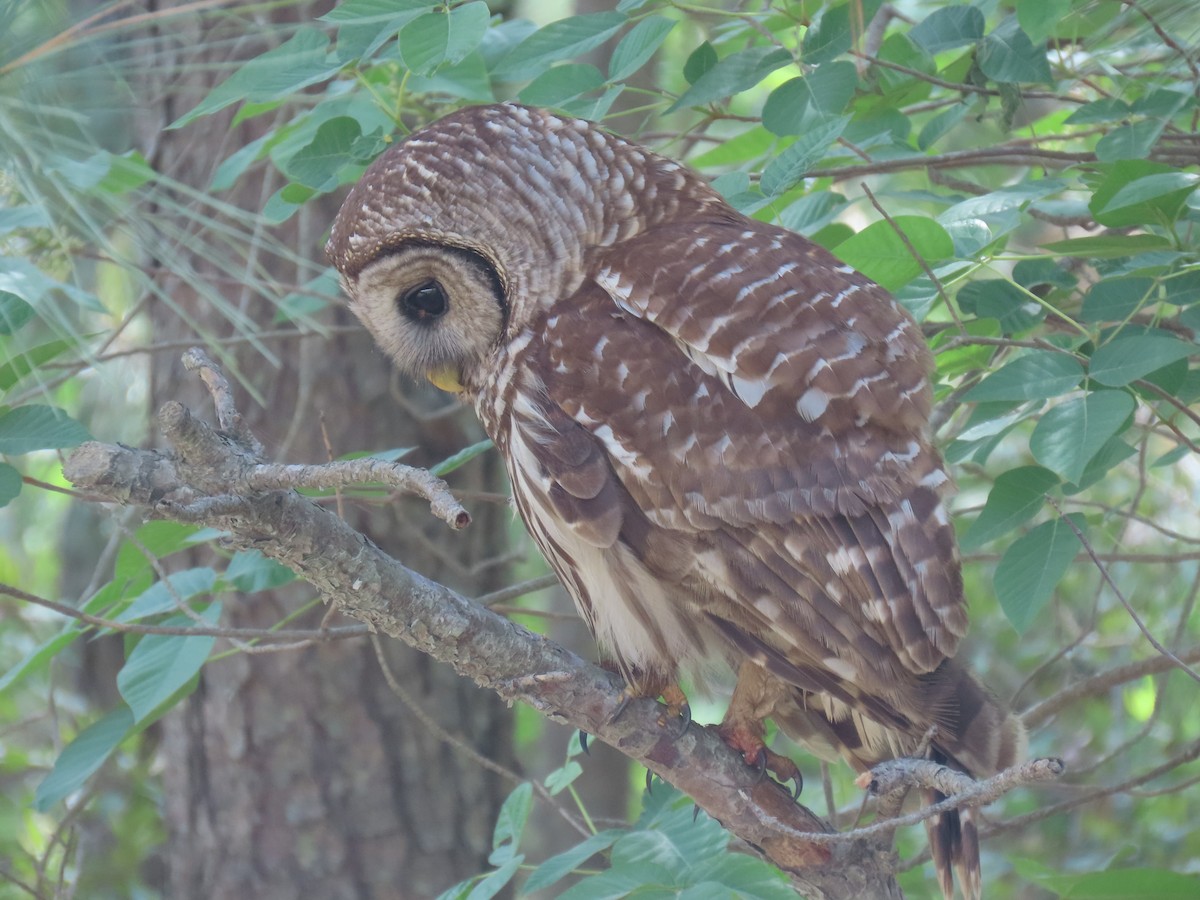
(716,432)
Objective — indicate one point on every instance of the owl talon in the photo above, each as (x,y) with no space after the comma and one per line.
(583,742)
(649,782)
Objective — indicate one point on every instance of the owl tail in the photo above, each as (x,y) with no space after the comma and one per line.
(978,735)
(954,845)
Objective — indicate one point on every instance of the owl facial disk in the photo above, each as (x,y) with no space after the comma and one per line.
(436,310)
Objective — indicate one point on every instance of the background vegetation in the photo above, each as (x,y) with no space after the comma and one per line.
(1022,175)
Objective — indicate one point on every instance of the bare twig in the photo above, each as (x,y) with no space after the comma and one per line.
(1087,546)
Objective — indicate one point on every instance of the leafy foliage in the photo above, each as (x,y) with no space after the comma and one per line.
(1037,163)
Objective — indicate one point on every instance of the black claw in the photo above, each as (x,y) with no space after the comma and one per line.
(583,742)
(760,765)
(695,811)
(625,698)
(649,782)
(798,781)
(685,713)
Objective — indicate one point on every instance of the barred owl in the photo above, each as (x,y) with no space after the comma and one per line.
(716,432)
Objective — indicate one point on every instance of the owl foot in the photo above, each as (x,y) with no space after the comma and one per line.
(677,708)
(747,740)
(672,696)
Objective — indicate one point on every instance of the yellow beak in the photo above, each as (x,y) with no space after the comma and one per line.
(445,378)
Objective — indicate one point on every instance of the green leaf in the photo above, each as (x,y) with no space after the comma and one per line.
(317,165)
(1128,357)
(1069,435)
(1008,55)
(808,150)
(561,83)
(566,38)
(559,779)
(10,484)
(798,104)
(735,73)
(372,12)
(738,876)
(14,312)
(29,428)
(1121,884)
(1029,273)
(496,881)
(834,30)
(1106,109)
(1115,299)
(879,252)
(461,458)
(1037,375)
(469,80)
(161,596)
(1015,498)
(161,664)
(301,61)
(943,123)
(636,48)
(1183,288)
(947,28)
(250,571)
(558,867)
(126,172)
(232,167)
(1040,18)
(29,360)
(510,824)
(1032,567)
(812,211)
(752,143)
(699,61)
(1150,199)
(82,757)
(1106,246)
(437,38)
(1130,141)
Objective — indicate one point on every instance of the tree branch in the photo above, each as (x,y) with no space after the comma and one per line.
(208,479)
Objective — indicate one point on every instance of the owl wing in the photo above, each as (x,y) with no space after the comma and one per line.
(749,388)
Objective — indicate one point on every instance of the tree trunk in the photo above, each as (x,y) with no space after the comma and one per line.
(300,773)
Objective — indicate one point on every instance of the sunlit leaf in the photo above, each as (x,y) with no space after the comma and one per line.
(883,256)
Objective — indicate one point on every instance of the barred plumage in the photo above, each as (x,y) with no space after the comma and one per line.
(717,433)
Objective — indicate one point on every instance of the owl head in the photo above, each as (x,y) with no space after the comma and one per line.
(458,236)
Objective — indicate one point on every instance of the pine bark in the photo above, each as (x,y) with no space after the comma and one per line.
(299,773)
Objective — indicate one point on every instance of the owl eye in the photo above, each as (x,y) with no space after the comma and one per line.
(424,302)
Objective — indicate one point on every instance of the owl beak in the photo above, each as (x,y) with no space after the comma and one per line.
(445,378)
